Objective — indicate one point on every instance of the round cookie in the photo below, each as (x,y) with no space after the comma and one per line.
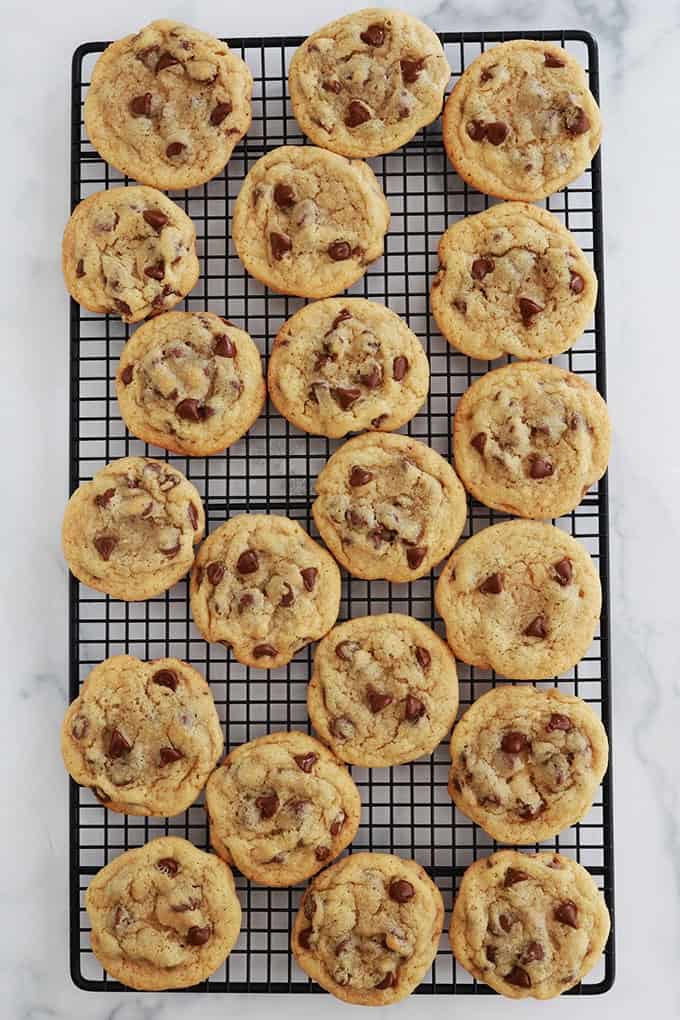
(130,251)
(527,763)
(347,364)
(384,690)
(164,915)
(190,382)
(530,439)
(366,83)
(281,807)
(131,531)
(143,735)
(309,222)
(528,925)
(168,104)
(522,598)
(261,585)
(512,280)
(389,507)
(368,928)
(521,121)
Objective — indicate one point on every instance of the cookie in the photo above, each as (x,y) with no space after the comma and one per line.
(528,925)
(365,84)
(130,251)
(167,105)
(512,280)
(309,222)
(521,598)
(131,531)
(190,382)
(164,915)
(389,507)
(263,587)
(384,690)
(530,439)
(281,807)
(368,928)
(521,121)
(143,735)
(527,763)
(347,364)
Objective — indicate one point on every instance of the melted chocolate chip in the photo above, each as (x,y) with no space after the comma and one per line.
(337,824)
(514,742)
(576,283)
(373,378)
(345,650)
(482,266)
(304,936)
(174,149)
(377,700)
(493,585)
(539,467)
(577,121)
(527,813)
(268,805)
(342,727)
(118,745)
(309,575)
(280,245)
(305,761)
(284,196)
(345,395)
(123,307)
(342,315)
(359,476)
(140,106)
(410,69)
(505,922)
(332,85)
(322,853)
(105,544)
(490,952)
(288,597)
(479,442)
(513,876)
(537,628)
(550,60)
(356,114)
(528,309)
(414,708)
(423,657)
(533,951)
(79,727)
(166,60)
(401,891)
(260,651)
(339,251)
(168,866)
(220,112)
(567,913)
(519,977)
(559,722)
(248,562)
(155,218)
(389,981)
(415,554)
(374,35)
(224,348)
(215,573)
(189,410)
(80,268)
(496,132)
(102,499)
(199,936)
(155,272)
(166,678)
(399,367)
(563,571)
(476,130)
(168,755)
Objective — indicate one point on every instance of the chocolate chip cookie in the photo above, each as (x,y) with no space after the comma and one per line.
(164,915)
(522,598)
(131,531)
(384,690)
(527,763)
(389,507)
(190,382)
(365,84)
(521,121)
(528,925)
(530,439)
(261,585)
(368,928)
(168,104)
(129,251)
(143,735)
(281,807)
(309,222)
(512,280)
(346,364)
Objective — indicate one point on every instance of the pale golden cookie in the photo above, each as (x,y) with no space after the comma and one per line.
(368,928)
(164,915)
(528,926)
(281,807)
(143,735)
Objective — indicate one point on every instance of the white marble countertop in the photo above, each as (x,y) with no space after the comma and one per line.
(640,51)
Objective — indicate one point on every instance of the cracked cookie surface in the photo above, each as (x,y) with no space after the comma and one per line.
(168,104)
(528,925)
(131,531)
(366,83)
(281,807)
(309,222)
(527,763)
(190,382)
(129,251)
(389,507)
(347,364)
(384,690)
(530,439)
(261,585)
(368,928)
(164,915)
(522,598)
(143,735)
(512,280)
(521,121)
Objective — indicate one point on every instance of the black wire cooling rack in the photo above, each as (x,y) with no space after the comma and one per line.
(406,809)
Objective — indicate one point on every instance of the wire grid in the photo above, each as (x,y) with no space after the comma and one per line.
(406,809)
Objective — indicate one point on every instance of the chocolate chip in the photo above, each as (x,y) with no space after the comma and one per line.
(166,60)
(268,805)
(304,936)
(380,535)
(374,35)
(345,395)
(493,585)
(118,745)
(540,467)
(342,315)
(359,476)
(528,309)
(248,562)
(155,272)
(166,678)
(199,936)
(423,657)
(105,544)
(288,597)
(513,876)
(401,891)
(576,283)
(476,130)
(309,575)
(140,106)
(415,709)
(305,761)
(280,245)
(220,112)
(399,367)
(480,267)
(104,498)
(337,823)
(514,742)
(377,700)
(322,853)
(126,375)
(537,628)
(284,196)
(479,442)
(79,727)
(389,981)
(490,952)
(168,866)
(192,514)
(415,554)
(123,307)
(410,69)
(379,421)
(519,977)
(563,571)
(332,86)
(215,573)
(155,218)
(497,132)
(174,149)
(505,922)
(188,409)
(168,755)
(224,348)
(262,651)
(533,951)
(373,378)
(356,114)
(577,122)
(550,60)
(567,913)
(80,268)
(339,250)
(528,813)
(559,722)
(342,727)
(345,649)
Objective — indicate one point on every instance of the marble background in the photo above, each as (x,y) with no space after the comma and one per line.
(640,52)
